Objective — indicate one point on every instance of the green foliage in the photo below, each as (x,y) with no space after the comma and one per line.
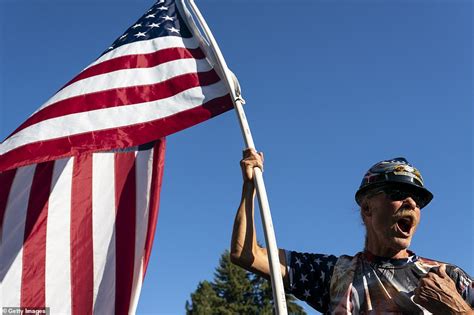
(235,291)
(204,300)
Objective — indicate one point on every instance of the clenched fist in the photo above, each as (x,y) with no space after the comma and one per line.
(251,160)
(437,293)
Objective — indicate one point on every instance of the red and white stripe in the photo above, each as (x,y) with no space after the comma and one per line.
(132,95)
(76,233)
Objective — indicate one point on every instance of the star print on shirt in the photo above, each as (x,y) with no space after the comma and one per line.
(310,278)
(303,278)
(298,262)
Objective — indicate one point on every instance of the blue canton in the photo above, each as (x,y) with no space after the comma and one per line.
(163,19)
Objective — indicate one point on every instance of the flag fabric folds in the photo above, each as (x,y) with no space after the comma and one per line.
(155,79)
(80,178)
(77,232)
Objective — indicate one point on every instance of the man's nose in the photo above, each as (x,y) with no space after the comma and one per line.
(410,203)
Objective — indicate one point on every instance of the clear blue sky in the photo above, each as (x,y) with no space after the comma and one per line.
(331,88)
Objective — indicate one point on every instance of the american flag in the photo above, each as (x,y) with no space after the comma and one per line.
(155,79)
(80,178)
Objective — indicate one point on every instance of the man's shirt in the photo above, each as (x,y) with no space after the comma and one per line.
(364,283)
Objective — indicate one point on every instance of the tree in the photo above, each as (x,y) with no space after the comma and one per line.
(235,291)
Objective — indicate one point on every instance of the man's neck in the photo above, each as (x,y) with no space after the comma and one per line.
(388,253)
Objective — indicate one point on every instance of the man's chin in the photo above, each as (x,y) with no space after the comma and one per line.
(400,243)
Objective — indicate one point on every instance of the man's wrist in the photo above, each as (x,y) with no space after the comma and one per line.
(248,188)
(249,184)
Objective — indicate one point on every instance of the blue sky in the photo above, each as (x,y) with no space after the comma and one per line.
(331,88)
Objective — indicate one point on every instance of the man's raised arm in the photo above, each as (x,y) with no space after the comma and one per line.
(244,249)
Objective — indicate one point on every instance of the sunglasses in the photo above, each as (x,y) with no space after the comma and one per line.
(398,194)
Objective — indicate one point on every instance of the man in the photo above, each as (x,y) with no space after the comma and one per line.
(386,278)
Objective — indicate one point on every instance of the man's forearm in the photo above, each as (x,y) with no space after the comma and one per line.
(244,239)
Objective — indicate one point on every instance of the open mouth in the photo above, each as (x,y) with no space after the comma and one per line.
(404,225)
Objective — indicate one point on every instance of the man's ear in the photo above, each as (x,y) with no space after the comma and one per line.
(365,208)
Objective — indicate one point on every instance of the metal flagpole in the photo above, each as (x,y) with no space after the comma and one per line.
(272,249)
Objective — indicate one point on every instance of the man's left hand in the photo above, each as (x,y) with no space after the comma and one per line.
(437,293)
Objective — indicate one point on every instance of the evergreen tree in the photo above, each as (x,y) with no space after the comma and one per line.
(235,291)
(204,299)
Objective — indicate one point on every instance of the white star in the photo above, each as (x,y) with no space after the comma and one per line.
(322,275)
(317,260)
(140,34)
(136,25)
(306,294)
(330,264)
(298,262)
(149,16)
(172,29)
(320,302)
(167,18)
(111,47)
(123,36)
(162,8)
(312,268)
(153,25)
(160,2)
(316,286)
(410,259)
(303,278)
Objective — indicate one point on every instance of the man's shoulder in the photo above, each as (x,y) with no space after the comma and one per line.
(299,257)
(293,257)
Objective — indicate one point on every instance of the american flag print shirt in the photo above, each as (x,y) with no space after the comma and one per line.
(364,283)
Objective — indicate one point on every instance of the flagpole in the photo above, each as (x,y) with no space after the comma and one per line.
(270,239)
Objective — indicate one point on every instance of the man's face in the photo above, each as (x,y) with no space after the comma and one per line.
(390,224)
